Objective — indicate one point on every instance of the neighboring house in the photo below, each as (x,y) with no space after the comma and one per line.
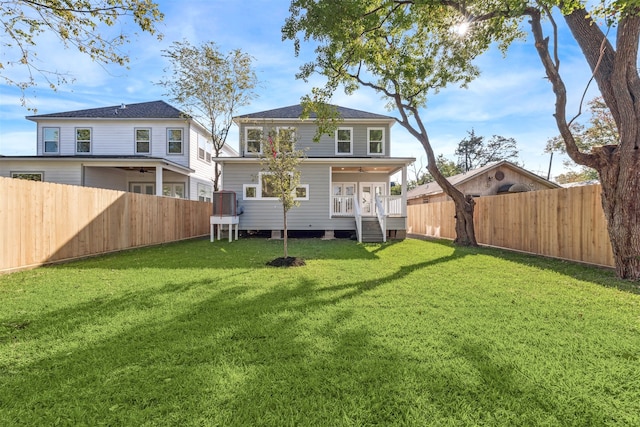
(149,147)
(344,178)
(494,178)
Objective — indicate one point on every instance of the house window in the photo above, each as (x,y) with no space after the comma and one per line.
(83,140)
(51,137)
(287,136)
(208,150)
(266,189)
(202,147)
(143,188)
(375,143)
(253,138)
(205,192)
(302,192)
(143,141)
(174,141)
(267,186)
(250,191)
(344,141)
(30,176)
(173,190)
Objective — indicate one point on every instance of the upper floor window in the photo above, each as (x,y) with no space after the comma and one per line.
(286,136)
(344,141)
(208,150)
(51,138)
(375,141)
(83,140)
(143,141)
(202,147)
(174,141)
(253,140)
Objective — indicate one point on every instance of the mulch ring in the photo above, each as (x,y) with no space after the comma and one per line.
(287,262)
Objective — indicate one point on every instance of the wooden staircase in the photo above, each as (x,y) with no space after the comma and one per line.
(371,232)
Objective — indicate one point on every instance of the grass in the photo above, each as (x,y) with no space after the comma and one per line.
(413,333)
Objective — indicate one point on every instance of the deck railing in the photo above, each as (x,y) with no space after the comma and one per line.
(358,218)
(392,205)
(343,205)
(382,217)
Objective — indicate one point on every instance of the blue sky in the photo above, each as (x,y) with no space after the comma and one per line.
(512,98)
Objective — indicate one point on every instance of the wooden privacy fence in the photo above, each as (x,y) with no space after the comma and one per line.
(565,223)
(43,222)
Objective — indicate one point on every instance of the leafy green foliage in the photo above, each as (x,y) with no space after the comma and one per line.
(76,23)
(473,152)
(281,159)
(601,130)
(210,85)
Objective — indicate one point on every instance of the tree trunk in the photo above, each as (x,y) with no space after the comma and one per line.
(621,206)
(464,206)
(465,230)
(615,72)
(284,235)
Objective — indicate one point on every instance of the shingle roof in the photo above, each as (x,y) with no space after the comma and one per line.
(143,110)
(294,112)
(434,187)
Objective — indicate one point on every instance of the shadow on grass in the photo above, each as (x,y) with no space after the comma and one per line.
(244,253)
(208,352)
(603,276)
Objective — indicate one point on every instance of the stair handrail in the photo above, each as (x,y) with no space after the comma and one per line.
(382,218)
(358,218)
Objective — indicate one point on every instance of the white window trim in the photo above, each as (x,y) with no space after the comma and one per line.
(14,173)
(258,189)
(246,140)
(135,142)
(369,153)
(207,191)
(90,140)
(172,186)
(339,153)
(44,140)
(244,191)
(181,142)
(305,186)
(142,183)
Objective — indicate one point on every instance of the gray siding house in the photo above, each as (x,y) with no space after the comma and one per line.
(345,179)
(150,147)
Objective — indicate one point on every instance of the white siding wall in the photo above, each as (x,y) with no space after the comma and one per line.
(326,147)
(312,214)
(203,171)
(117,138)
(110,178)
(59,171)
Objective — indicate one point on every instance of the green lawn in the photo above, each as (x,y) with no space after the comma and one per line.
(412,333)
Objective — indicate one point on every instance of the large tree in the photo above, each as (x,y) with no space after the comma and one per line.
(210,85)
(76,23)
(473,152)
(404,48)
(600,130)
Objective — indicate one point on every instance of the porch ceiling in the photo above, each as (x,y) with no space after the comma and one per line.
(365,169)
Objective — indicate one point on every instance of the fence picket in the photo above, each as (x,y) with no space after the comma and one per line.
(564,223)
(44,222)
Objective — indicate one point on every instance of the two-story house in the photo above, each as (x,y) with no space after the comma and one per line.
(345,178)
(150,147)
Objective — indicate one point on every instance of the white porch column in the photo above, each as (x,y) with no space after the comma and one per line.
(404,191)
(158,180)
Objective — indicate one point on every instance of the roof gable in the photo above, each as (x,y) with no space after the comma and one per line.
(434,187)
(295,111)
(143,110)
